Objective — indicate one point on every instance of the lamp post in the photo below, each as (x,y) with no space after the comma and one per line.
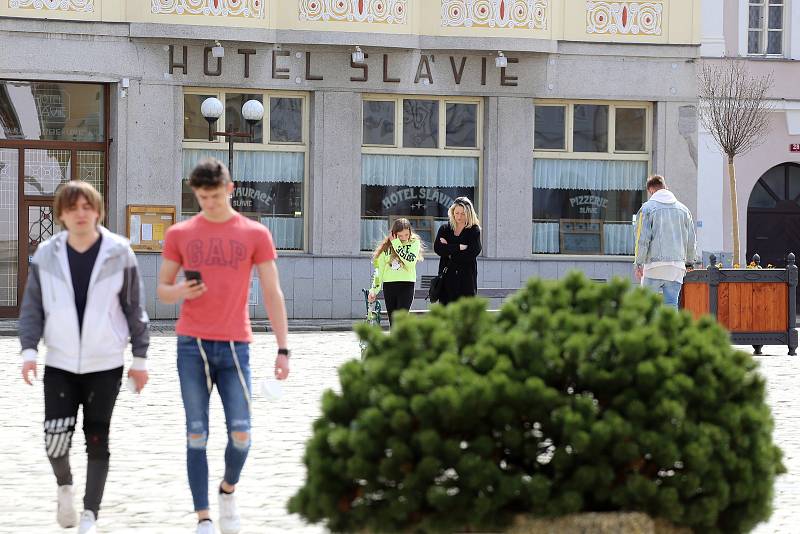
(252,111)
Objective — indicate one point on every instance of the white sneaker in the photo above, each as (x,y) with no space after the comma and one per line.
(205,527)
(66,515)
(87,525)
(229,522)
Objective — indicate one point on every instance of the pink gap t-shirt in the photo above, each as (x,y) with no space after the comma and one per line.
(225,254)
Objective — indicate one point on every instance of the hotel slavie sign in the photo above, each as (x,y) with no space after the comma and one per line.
(278,63)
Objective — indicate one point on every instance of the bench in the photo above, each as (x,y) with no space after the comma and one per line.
(487,292)
(421,293)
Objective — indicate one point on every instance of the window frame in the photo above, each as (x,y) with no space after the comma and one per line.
(647,130)
(443,150)
(443,124)
(764,29)
(268,115)
(567,122)
(610,129)
(569,130)
(394,130)
(221,143)
(267,143)
(568,153)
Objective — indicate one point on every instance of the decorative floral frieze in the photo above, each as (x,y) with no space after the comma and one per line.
(382,11)
(530,14)
(53,5)
(217,8)
(627,18)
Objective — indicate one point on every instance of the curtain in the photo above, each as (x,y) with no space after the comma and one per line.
(287,232)
(419,171)
(545,238)
(252,166)
(595,175)
(618,239)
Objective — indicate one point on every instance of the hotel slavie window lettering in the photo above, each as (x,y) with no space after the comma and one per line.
(269,169)
(51,111)
(418,155)
(589,174)
(426,207)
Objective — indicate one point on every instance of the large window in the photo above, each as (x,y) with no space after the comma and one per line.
(52,111)
(269,169)
(591,161)
(765,27)
(418,154)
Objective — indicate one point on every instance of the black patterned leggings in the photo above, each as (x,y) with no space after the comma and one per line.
(63,393)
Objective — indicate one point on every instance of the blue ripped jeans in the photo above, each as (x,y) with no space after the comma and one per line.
(198,371)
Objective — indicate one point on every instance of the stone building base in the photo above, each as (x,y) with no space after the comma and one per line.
(596,523)
(329,287)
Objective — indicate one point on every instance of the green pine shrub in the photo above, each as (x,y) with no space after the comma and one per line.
(576,396)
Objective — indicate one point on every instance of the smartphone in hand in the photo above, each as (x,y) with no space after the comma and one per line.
(193,275)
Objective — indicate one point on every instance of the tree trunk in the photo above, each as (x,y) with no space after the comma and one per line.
(734,212)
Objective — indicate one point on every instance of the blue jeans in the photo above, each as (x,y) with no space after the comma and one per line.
(670,290)
(198,371)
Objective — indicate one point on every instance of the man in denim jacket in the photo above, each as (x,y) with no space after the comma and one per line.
(665,241)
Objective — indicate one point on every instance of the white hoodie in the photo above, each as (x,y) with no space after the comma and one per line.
(114,309)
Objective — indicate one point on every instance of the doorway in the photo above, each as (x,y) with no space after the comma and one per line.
(773,216)
(50,133)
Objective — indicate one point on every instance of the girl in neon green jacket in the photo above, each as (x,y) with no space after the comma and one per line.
(395,261)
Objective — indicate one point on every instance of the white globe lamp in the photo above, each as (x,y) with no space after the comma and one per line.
(212,109)
(253,111)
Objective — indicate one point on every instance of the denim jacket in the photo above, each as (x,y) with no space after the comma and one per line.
(665,231)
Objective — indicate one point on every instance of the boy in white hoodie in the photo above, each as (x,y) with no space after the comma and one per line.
(665,241)
(84,297)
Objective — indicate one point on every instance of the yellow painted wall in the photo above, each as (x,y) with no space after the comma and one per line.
(141,11)
(432,23)
(28,11)
(577,19)
(287,17)
(565,20)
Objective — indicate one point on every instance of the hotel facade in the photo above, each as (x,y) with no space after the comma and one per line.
(549,114)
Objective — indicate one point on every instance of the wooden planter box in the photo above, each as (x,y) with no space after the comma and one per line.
(757,306)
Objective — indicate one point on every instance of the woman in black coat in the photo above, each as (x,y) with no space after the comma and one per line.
(458,243)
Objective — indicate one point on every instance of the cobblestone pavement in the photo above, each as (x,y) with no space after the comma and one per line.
(147,491)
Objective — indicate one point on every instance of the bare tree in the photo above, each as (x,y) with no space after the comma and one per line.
(734,109)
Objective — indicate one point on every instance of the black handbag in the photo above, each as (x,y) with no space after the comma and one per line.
(437,284)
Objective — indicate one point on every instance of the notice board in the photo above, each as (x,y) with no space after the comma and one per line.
(147,225)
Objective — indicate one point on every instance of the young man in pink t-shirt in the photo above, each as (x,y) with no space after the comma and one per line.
(217,250)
